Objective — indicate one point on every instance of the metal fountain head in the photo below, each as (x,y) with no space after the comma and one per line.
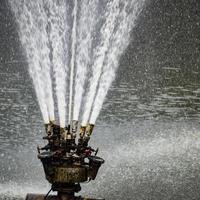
(67,163)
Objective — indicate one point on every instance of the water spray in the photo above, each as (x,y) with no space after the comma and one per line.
(72,60)
(100,53)
(30,33)
(68,161)
(117,46)
(58,27)
(44,62)
(84,52)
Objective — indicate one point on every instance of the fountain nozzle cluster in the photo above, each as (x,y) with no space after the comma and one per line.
(68,163)
(69,132)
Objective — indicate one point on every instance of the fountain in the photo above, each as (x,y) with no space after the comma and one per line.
(67,164)
(89,36)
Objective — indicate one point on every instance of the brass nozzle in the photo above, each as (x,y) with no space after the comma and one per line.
(48,128)
(52,122)
(74,126)
(89,129)
(66,135)
(82,131)
(63,133)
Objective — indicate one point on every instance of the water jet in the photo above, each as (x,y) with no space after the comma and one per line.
(80,43)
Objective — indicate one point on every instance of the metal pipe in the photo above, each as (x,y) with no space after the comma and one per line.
(82,131)
(74,126)
(89,129)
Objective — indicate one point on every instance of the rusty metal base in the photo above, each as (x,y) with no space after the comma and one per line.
(55,197)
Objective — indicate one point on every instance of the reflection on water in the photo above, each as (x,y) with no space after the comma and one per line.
(150,137)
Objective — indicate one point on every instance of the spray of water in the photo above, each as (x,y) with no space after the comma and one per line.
(57,33)
(106,33)
(99,34)
(73,50)
(120,38)
(86,26)
(44,59)
(31,19)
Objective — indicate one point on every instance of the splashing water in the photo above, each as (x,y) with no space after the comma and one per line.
(57,33)
(45,64)
(99,33)
(119,41)
(72,60)
(120,18)
(32,21)
(88,15)
(106,33)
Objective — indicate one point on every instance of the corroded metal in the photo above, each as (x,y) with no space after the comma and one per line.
(82,131)
(49,128)
(67,164)
(74,126)
(95,163)
(89,129)
(70,174)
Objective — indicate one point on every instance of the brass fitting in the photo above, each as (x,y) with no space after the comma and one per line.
(74,126)
(89,129)
(69,136)
(63,133)
(82,131)
(49,128)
